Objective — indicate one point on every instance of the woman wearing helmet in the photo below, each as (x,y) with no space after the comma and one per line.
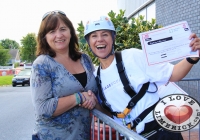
(113,95)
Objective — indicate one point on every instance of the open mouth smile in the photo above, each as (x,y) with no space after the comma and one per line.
(101,47)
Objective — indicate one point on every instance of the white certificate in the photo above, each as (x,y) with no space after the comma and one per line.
(167,44)
(168,89)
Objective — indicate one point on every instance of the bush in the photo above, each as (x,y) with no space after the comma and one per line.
(127,32)
(16,64)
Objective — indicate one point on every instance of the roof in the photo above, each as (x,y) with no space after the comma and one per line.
(13,53)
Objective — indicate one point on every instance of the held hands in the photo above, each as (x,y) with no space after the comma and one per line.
(90,100)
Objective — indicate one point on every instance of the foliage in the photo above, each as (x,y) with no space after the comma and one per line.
(6,80)
(9,44)
(4,55)
(127,32)
(27,51)
(16,64)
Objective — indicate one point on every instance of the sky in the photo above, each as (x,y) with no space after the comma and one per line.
(20,17)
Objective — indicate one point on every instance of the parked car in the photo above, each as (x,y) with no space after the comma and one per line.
(22,78)
(21,63)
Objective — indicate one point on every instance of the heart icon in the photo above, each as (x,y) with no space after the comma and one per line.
(178,114)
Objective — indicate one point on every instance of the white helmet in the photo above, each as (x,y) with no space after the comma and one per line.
(104,23)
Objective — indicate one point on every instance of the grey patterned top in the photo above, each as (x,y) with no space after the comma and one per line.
(49,81)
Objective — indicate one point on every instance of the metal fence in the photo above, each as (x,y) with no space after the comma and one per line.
(105,128)
(192,87)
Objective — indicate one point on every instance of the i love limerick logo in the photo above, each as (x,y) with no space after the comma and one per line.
(177,112)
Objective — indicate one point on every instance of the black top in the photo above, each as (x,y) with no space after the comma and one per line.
(82,78)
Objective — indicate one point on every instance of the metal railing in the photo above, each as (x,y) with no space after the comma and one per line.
(102,123)
(105,128)
(192,87)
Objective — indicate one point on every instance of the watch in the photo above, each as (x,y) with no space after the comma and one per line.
(191,61)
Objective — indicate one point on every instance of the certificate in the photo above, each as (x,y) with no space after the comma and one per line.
(167,44)
(168,89)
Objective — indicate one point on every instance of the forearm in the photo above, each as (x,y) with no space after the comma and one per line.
(181,70)
(65,104)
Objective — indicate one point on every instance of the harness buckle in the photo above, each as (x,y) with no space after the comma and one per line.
(126,111)
(124,122)
(137,120)
(121,115)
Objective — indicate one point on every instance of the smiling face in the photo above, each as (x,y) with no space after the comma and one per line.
(101,42)
(59,38)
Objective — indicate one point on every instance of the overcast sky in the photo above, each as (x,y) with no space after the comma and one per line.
(20,17)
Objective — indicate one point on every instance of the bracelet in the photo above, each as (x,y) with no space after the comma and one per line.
(191,61)
(79,94)
(84,97)
(78,100)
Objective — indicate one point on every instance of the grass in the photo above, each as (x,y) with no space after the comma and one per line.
(6,80)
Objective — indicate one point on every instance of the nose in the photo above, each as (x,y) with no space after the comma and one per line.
(99,38)
(58,33)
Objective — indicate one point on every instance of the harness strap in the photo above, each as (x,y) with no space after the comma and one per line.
(103,100)
(133,101)
(121,70)
(134,97)
(135,122)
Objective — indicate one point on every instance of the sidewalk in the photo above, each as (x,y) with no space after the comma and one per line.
(194,135)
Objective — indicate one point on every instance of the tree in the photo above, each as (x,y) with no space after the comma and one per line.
(28,48)
(127,32)
(9,44)
(4,55)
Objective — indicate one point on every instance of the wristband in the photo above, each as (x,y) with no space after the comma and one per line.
(83,97)
(80,97)
(191,61)
(78,100)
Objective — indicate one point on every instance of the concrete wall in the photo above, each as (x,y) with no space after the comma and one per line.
(172,11)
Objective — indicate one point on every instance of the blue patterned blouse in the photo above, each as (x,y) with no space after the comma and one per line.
(49,81)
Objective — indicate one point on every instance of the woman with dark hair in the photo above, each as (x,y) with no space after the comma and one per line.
(62,77)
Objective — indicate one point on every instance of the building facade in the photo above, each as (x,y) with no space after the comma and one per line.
(167,12)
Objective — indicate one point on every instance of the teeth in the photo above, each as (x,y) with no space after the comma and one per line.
(101,46)
(60,41)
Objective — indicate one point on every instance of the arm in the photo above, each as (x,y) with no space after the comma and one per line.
(68,102)
(45,104)
(183,67)
(96,105)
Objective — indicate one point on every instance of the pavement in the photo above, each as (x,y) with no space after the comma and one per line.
(191,135)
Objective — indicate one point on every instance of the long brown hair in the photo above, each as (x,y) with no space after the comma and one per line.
(50,23)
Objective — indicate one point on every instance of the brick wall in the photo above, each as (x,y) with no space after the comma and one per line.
(172,11)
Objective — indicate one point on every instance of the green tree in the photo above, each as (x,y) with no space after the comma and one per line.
(4,55)
(28,48)
(9,44)
(127,32)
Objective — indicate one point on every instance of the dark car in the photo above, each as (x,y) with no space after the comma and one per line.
(22,78)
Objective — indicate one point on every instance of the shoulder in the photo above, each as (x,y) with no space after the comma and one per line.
(133,54)
(41,58)
(86,58)
(43,61)
(87,62)
(132,51)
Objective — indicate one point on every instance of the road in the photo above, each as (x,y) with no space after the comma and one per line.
(16,113)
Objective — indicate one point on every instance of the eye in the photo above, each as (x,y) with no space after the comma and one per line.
(51,31)
(63,29)
(93,35)
(105,34)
